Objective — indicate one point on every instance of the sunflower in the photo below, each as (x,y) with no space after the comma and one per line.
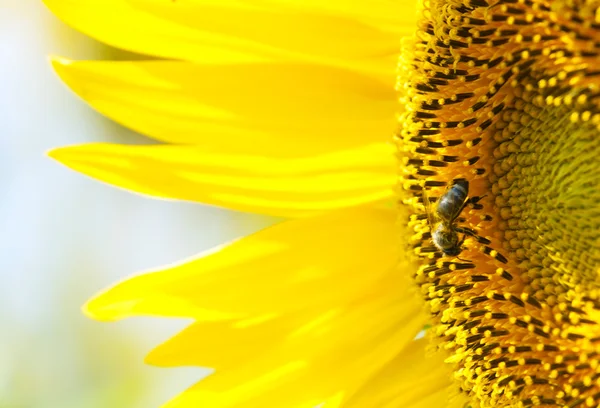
(469,208)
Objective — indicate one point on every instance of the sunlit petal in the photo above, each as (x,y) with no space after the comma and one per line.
(416,378)
(334,351)
(281,187)
(210,31)
(277,109)
(321,262)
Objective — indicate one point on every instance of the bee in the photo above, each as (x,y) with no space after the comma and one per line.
(444,232)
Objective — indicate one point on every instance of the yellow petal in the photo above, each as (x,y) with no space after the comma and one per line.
(416,378)
(280,187)
(281,109)
(307,263)
(211,31)
(397,16)
(297,360)
(307,335)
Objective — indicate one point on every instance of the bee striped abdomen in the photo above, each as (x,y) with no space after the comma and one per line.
(450,204)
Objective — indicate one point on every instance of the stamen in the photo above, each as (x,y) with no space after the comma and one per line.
(505,95)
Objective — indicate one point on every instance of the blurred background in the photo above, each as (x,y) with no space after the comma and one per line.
(63,237)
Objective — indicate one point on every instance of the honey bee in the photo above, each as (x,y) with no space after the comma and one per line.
(444,232)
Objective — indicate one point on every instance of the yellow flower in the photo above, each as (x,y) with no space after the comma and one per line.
(505,96)
(287,108)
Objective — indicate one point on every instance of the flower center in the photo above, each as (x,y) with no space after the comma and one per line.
(547,196)
(502,101)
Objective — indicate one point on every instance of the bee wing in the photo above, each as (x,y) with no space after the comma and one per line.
(459,209)
(428,210)
(451,203)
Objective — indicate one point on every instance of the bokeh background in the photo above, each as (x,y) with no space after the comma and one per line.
(63,237)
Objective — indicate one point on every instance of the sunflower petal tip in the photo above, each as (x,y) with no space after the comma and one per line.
(68,71)
(150,359)
(53,153)
(58,60)
(93,311)
(66,154)
(60,154)
(97,309)
(60,65)
(154,357)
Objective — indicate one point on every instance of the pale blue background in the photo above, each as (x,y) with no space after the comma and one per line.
(65,236)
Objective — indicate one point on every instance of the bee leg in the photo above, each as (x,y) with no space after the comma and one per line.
(462,240)
(472,233)
(474,201)
(466,231)
(460,245)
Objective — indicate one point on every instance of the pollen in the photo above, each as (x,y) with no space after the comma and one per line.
(504,96)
